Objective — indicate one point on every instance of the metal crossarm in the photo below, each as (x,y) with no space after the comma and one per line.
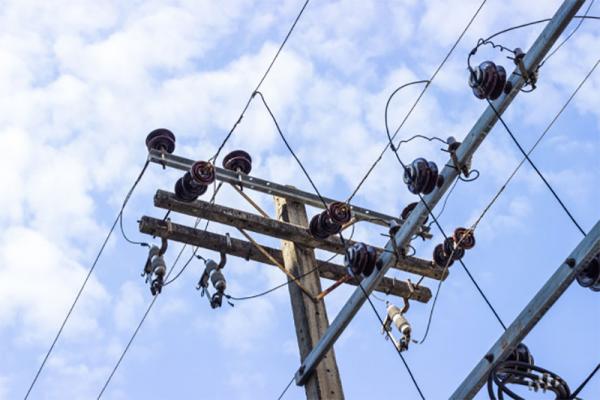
(261,185)
(464,153)
(531,314)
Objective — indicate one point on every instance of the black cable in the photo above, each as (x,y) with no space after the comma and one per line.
(585,382)
(436,222)
(143,244)
(564,207)
(340,234)
(379,158)
(298,160)
(568,36)
(497,195)
(525,374)
(290,149)
(286,388)
(216,190)
(445,202)
(87,277)
(137,329)
(114,370)
(214,158)
(537,142)
(512,28)
(272,289)
(412,377)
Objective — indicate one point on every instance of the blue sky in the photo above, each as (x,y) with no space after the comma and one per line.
(82,83)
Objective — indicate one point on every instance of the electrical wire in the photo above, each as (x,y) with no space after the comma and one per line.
(585,382)
(410,373)
(135,332)
(286,388)
(379,158)
(568,36)
(216,190)
(254,296)
(143,244)
(340,233)
(512,136)
(510,177)
(445,202)
(87,277)
(512,28)
(137,329)
(290,149)
(435,221)
(239,120)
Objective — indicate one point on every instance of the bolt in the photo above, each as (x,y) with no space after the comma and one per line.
(570,262)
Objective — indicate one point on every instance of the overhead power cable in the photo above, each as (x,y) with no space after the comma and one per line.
(260,82)
(87,277)
(286,388)
(508,180)
(380,157)
(341,237)
(536,169)
(585,382)
(569,36)
(137,329)
(436,222)
(140,324)
(410,373)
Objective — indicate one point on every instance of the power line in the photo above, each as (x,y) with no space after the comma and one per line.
(340,234)
(286,388)
(254,296)
(127,239)
(87,277)
(137,329)
(290,148)
(585,382)
(287,36)
(379,158)
(135,332)
(436,222)
(568,36)
(412,377)
(537,142)
(512,136)
(514,172)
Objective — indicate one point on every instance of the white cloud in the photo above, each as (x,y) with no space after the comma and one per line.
(39,283)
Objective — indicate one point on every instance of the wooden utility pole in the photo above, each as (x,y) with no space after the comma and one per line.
(296,257)
(310,318)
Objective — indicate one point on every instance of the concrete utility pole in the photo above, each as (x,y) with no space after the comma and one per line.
(464,153)
(310,318)
(531,314)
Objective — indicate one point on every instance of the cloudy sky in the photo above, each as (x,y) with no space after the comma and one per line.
(83,82)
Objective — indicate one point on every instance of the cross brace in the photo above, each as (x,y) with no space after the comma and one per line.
(243,249)
(281,230)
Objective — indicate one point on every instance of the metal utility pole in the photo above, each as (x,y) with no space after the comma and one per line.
(463,154)
(531,314)
(310,317)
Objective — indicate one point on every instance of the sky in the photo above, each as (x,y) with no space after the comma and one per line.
(83,82)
